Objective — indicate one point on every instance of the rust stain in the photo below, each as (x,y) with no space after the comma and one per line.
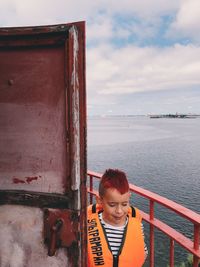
(18,181)
(27,181)
(30,179)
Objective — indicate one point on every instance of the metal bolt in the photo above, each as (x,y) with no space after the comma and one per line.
(10,82)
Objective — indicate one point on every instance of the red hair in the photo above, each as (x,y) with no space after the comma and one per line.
(113,178)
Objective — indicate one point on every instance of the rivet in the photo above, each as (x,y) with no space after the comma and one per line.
(10,82)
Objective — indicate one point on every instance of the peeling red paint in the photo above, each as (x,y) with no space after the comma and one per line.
(18,181)
(30,179)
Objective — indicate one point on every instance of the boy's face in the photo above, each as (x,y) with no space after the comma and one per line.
(115,206)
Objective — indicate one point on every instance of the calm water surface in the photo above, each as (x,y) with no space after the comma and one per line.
(161,155)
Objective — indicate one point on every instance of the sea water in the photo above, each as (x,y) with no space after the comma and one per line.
(161,155)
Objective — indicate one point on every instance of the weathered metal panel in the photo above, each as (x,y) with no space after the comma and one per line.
(32,115)
(43,139)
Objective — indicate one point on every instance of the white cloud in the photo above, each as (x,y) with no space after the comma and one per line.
(143,8)
(100,29)
(134,69)
(187,22)
(40,12)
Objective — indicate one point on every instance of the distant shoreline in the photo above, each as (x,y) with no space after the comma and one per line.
(150,116)
(176,116)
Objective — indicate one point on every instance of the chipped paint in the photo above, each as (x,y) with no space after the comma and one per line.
(30,179)
(75,112)
(27,180)
(18,181)
(45,183)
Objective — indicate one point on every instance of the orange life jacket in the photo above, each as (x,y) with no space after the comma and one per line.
(131,253)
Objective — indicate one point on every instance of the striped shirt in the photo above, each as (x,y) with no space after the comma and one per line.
(115,235)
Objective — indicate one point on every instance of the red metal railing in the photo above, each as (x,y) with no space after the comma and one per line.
(191,246)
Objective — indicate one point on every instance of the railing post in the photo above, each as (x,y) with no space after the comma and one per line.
(171,252)
(151,234)
(196,243)
(91,188)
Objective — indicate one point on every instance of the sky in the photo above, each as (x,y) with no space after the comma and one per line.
(142,56)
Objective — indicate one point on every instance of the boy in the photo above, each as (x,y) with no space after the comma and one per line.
(115,235)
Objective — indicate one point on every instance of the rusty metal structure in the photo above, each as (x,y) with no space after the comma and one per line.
(43,134)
